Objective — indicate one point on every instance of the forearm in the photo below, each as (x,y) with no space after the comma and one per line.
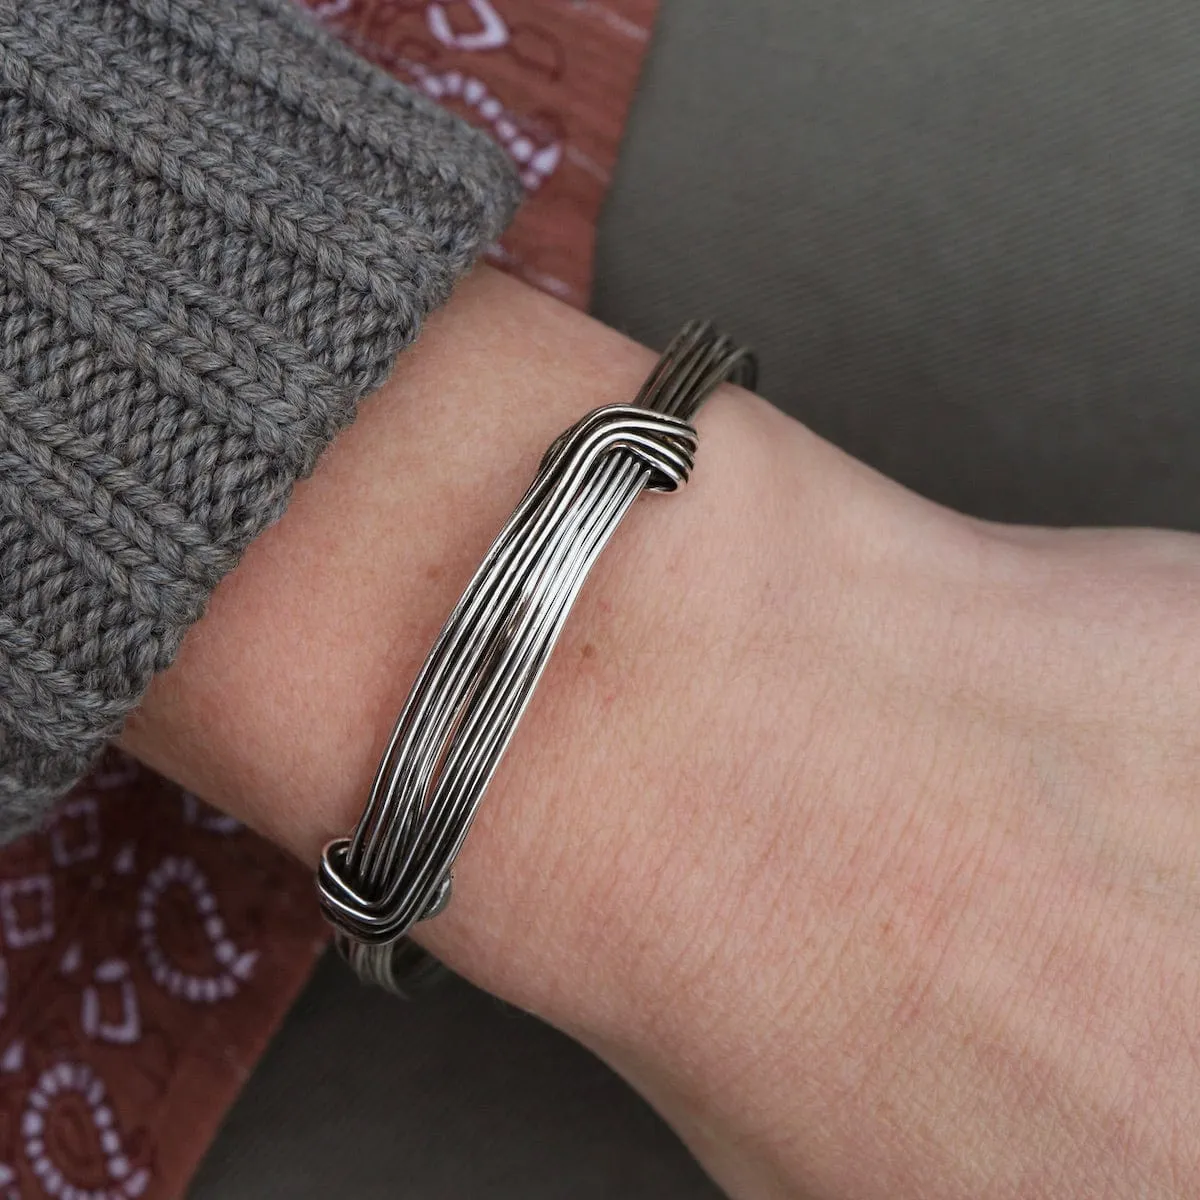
(820,790)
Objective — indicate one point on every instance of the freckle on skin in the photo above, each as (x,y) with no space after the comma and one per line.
(588,651)
(434,573)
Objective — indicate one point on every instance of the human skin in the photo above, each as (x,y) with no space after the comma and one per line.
(862,837)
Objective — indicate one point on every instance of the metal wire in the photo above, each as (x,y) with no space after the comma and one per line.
(396,867)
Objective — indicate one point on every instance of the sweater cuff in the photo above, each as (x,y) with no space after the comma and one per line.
(218,227)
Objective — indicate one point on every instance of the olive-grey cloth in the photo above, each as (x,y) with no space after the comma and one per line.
(217,229)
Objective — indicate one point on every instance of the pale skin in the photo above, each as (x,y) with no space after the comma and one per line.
(861,837)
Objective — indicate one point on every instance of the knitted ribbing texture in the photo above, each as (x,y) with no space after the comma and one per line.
(218,227)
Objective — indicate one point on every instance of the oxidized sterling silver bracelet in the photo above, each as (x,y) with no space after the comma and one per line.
(395,869)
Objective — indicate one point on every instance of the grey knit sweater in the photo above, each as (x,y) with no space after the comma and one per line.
(217,229)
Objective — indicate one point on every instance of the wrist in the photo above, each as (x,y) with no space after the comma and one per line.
(283,696)
(655,712)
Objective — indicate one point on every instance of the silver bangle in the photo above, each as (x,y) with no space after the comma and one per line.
(396,868)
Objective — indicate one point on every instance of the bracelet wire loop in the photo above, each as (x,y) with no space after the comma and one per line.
(395,869)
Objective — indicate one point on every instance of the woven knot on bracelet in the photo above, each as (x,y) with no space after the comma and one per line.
(395,871)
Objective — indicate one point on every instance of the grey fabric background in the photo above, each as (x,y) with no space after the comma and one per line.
(964,236)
